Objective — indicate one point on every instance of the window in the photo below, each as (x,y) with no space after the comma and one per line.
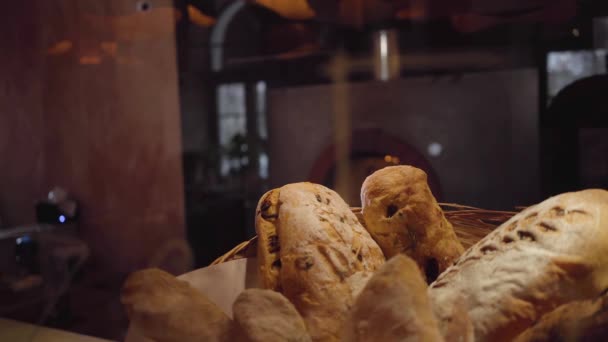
(232,111)
(232,123)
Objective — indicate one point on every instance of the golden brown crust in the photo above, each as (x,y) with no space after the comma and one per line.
(166,309)
(325,255)
(403,216)
(551,253)
(393,306)
(266,315)
(267,214)
(575,321)
(455,325)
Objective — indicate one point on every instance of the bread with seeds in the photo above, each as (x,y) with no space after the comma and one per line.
(313,249)
(549,254)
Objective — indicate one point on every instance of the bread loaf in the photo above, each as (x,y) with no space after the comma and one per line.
(313,249)
(266,315)
(547,255)
(575,321)
(403,216)
(166,309)
(393,307)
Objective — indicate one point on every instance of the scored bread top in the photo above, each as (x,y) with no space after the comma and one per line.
(549,254)
(315,251)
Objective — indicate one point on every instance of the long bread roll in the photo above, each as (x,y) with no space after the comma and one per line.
(393,307)
(403,216)
(166,309)
(576,321)
(547,255)
(313,249)
(266,315)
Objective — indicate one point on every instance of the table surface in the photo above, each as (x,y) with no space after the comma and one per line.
(24,332)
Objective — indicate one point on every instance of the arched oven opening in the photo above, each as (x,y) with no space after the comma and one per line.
(370,150)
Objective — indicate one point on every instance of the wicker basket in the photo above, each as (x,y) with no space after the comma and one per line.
(470,224)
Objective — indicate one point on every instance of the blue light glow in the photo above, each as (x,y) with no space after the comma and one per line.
(61,218)
(23,239)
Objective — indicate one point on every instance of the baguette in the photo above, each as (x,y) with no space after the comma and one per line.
(547,255)
(313,249)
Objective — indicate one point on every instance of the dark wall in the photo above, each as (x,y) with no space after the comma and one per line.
(107,129)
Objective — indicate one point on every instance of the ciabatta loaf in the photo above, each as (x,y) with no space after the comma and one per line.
(313,249)
(547,255)
(402,215)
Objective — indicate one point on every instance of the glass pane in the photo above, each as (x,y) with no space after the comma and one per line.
(146,136)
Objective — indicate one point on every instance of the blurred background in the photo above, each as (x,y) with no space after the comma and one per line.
(141,133)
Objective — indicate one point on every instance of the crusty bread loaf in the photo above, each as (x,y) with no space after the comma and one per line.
(313,249)
(269,258)
(166,309)
(572,322)
(393,307)
(266,315)
(458,328)
(403,216)
(547,255)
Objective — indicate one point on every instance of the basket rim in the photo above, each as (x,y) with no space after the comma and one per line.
(465,217)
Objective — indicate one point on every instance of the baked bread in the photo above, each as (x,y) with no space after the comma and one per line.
(166,309)
(575,321)
(313,249)
(393,307)
(547,255)
(266,315)
(458,328)
(403,216)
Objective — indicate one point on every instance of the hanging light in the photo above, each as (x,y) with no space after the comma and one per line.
(386,55)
